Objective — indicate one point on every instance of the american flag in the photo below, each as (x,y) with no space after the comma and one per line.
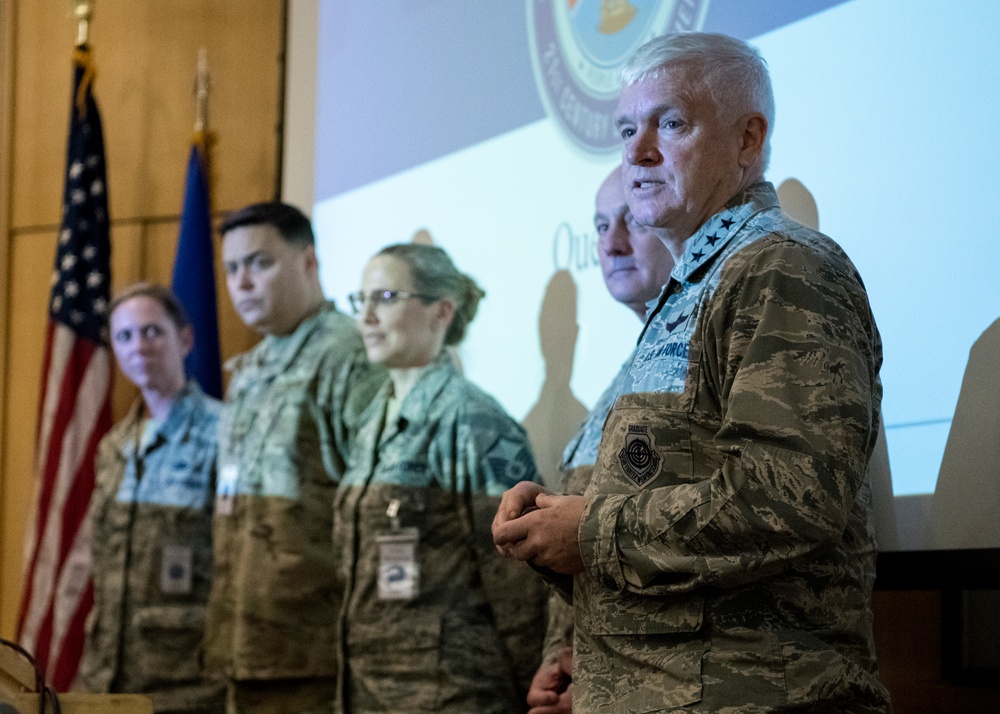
(75,406)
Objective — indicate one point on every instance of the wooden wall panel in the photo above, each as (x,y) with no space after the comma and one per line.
(6,147)
(31,259)
(146,56)
(43,74)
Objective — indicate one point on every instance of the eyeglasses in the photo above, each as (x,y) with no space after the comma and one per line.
(383,297)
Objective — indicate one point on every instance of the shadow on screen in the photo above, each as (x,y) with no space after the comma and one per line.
(557,414)
(965,512)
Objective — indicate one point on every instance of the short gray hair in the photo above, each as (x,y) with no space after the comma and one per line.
(733,73)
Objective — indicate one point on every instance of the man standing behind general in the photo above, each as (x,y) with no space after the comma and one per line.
(635,266)
(291,411)
(723,554)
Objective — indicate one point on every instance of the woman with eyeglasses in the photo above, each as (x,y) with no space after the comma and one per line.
(434,619)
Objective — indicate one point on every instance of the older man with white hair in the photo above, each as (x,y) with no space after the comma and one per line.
(723,554)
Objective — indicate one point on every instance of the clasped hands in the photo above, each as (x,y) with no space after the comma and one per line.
(538,526)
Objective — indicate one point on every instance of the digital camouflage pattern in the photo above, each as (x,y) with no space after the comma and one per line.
(151,517)
(577,463)
(728,542)
(582,448)
(470,639)
(291,412)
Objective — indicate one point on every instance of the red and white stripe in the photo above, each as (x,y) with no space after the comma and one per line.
(74,415)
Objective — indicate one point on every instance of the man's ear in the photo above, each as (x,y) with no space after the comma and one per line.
(753,134)
(311,261)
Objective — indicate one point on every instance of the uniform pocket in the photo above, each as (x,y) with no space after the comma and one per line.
(638,674)
(174,636)
(393,664)
(663,673)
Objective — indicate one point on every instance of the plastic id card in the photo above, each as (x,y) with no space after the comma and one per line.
(398,571)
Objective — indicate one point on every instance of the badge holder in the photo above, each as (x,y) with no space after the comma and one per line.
(225,490)
(398,571)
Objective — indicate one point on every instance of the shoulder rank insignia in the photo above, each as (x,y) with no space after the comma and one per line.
(509,462)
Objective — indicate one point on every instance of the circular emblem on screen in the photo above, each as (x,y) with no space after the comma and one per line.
(578,48)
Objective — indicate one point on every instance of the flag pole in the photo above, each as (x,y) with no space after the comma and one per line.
(193,279)
(202,136)
(201,92)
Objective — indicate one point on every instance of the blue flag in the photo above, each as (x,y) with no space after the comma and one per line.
(194,276)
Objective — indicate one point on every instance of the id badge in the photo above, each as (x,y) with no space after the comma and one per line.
(225,490)
(175,570)
(398,571)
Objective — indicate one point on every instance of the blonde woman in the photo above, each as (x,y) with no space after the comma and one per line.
(433,618)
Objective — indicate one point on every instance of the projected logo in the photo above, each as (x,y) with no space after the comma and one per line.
(578,48)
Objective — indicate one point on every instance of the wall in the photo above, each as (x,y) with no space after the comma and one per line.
(908,641)
(146,55)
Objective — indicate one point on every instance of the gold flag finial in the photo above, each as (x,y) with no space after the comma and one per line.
(83,10)
(201,92)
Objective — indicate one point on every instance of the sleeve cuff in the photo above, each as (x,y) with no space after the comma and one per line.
(599,540)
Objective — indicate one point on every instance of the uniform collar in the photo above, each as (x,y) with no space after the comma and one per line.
(416,405)
(183,406)
(278,353)
(709,240)
(175,424)
(715,234)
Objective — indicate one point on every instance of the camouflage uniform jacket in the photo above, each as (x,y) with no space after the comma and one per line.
(577,463)
(728,542)
(581,452)
(151,515)
(468,639)
(291,411)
